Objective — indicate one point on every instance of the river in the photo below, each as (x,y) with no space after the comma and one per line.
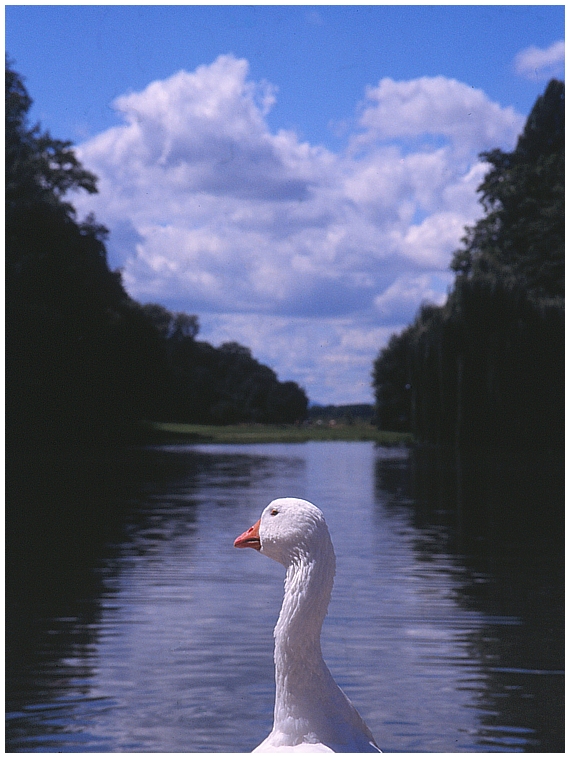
(146,631)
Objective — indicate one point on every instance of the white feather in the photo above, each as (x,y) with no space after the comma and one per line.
(312,713)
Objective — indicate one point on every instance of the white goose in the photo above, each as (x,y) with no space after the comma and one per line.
(312,713)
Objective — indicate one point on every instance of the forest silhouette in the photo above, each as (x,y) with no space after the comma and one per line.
(84,361)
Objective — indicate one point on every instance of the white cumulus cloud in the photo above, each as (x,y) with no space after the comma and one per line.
(435,107)
(541,63)
(309,257)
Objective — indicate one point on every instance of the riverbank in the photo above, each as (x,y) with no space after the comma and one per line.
(260,433)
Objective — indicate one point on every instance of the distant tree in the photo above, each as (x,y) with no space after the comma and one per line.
(287,403)
(222,385)
(250,391)
(184,326)
(235,349)
(343,414)
(171,326)
(160,317)
(392,381)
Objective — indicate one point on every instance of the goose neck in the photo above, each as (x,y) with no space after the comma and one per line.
(308,586)
(300,671)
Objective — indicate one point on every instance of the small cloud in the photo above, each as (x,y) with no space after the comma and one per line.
(536,63)
(445,109)
(400,301)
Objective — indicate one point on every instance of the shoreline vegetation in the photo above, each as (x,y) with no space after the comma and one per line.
(357,431)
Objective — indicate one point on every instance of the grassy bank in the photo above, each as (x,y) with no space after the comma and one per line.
(258,433)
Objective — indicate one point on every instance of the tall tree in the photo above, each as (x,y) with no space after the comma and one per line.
(38,167)
(72,334)
(488,366)
(520,240)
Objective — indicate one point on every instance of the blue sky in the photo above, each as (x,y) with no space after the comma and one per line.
(298,176)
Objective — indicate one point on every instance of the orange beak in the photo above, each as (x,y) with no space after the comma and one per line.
(250,538)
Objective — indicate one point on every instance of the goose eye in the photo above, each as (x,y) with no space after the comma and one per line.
(274,511)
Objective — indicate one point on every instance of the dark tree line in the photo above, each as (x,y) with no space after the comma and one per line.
(487,368)
(83,360)
(208,385)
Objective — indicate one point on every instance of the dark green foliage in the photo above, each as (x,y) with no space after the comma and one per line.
(342,414)
(226,385)
(391,376)
(39,169)
(84,362)
(520,241)
(487,368)
(70,333)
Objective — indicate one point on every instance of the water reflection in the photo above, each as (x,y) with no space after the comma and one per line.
(500,522)
(144,630)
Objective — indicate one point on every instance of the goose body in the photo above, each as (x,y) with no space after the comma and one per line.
(312,713)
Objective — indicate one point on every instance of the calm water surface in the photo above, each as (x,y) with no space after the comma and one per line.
(445,629)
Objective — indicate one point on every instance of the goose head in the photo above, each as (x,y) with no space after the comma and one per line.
(288,529)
